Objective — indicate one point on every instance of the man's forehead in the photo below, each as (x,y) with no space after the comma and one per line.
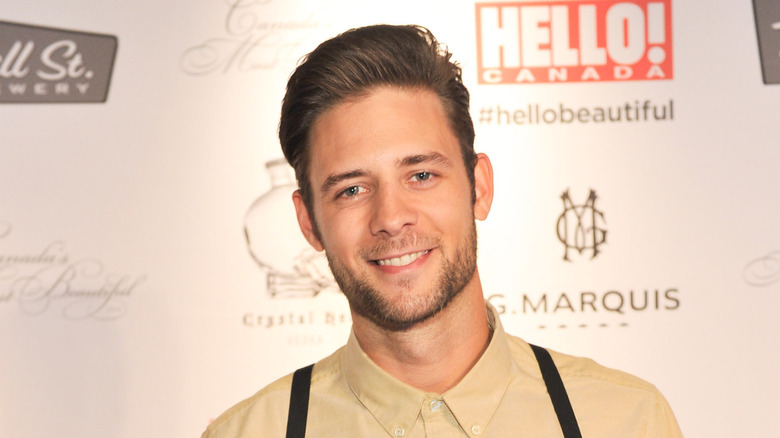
(381,99)
(386,128)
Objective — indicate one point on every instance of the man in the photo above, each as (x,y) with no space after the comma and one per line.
(376,124)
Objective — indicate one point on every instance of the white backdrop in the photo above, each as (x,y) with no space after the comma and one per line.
(131,303)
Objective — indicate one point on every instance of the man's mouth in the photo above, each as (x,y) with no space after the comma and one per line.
(402,260)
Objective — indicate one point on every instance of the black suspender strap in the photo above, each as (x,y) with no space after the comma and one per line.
(299,403)
(557,393)
(301,383)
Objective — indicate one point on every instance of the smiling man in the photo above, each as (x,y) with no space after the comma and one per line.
(376,124)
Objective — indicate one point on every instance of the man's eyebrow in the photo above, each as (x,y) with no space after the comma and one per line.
(332,180)
(411,160)
(433,158)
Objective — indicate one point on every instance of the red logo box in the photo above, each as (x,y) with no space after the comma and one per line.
(573,41)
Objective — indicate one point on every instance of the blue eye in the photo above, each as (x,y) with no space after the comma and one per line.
(422,176)
(351,191)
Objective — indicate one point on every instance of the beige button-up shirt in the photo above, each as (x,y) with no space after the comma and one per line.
(503,395)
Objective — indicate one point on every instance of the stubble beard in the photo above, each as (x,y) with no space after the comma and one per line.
(404,308)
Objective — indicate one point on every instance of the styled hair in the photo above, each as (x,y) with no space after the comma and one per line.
(358,60)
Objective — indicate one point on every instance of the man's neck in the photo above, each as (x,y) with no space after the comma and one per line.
(436,354)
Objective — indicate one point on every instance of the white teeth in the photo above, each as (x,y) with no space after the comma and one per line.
(401,261)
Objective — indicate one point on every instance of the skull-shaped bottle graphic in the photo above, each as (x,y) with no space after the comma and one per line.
(275,242)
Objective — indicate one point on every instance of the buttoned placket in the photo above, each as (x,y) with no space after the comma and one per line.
(437,418)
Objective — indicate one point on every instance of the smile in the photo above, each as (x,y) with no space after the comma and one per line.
(403,260)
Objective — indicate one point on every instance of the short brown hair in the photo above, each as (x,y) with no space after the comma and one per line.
(358,60)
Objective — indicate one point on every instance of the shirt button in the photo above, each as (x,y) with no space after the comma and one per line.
(435,405)
(399,431)
(476,430)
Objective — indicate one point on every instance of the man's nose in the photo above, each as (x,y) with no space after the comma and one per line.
(392,211)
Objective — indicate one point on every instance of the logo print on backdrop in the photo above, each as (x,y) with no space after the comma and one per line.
(763,271)
(275,242)
(50,279)
(251,41)
(579,226)
(767,14)
(46,65)
(573,41)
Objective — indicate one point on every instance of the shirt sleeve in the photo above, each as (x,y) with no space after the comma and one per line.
(664,424)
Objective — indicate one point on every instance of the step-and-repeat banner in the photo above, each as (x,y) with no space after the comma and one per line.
(152,273)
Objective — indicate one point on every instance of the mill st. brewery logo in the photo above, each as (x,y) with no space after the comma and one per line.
(573,41)
(44,65)
(768,28)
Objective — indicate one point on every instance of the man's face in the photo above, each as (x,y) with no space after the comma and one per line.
(392,204)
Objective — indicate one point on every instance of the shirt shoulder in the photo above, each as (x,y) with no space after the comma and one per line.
(579,368)
(265,412)
(606,401)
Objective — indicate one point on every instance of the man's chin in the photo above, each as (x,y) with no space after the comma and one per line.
(398,320)
(400,324)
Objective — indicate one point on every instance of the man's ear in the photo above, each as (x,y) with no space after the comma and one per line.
(305,221)
(483,186)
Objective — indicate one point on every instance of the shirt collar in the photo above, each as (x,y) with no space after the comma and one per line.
(474,400)
(393,403)
(396,405)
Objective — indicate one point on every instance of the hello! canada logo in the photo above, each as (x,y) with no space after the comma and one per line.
(573,41)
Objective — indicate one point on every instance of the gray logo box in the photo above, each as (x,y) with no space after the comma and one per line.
(46,65)
(768,28)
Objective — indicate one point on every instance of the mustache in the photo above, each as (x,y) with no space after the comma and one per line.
(399,244)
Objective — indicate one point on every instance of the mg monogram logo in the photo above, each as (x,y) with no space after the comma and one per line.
(579,226)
